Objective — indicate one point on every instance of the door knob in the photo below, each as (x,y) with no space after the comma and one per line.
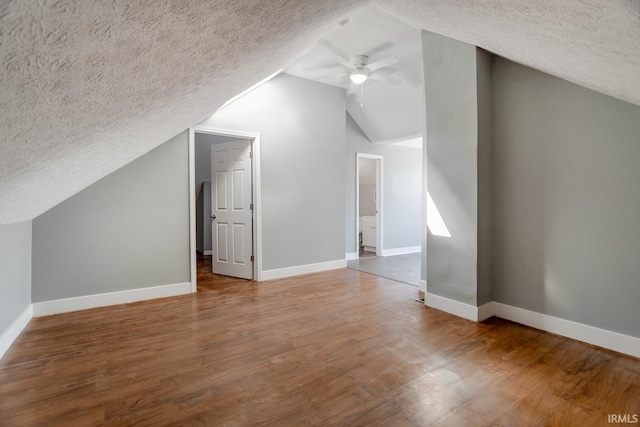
(213,217)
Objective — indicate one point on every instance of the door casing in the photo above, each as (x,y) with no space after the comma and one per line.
(257,197)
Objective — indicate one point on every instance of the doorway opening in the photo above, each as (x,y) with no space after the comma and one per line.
(369,213)
(225,215)
(396,255)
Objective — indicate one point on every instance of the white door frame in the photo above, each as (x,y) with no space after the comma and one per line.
(257,196)
(379,197)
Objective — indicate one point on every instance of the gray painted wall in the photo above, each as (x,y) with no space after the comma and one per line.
(402,186)
(129,230)
(15,272)
(302,132)
(566,200)
(452,165)
(484,78)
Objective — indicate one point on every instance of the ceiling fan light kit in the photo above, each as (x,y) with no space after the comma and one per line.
(358,77)
(359,70)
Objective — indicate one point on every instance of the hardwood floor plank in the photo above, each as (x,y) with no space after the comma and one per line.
(339,348)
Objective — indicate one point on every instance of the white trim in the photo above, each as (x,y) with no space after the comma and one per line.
(257,208)
(257,194)
(65,305)
(401,251)
(351,256)
(611,340)
(192,212)
(486,311)
(280,273)
(379,205)
(615,341)
(422,286)
(450,306)
(15,329)
(208,252)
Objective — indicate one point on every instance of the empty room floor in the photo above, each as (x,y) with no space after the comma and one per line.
(340,348)
(402,268)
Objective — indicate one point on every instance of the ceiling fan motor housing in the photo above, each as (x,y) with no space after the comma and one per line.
(360,61)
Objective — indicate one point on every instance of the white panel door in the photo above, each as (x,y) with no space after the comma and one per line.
(231,216)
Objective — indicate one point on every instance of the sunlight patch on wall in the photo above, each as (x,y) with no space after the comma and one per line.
(434,219)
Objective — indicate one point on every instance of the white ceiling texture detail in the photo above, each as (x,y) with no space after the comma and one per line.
(86,87)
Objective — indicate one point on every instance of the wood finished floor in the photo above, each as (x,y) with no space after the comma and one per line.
(339,348)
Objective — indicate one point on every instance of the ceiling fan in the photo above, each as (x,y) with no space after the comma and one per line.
(359,70)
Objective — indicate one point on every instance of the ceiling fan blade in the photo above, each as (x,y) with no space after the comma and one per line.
(332,48)
(346,63)
(383,63)
(325,68)
(378,49)
(385,79)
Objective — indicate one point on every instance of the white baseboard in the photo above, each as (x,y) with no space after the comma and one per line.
(422,286)
(281,273)
(209,252)
(47,308)
(401,251)
(457,308)
(15,329)
(486,311)
(611,340)
(450,306)
(350,256)
(607,339)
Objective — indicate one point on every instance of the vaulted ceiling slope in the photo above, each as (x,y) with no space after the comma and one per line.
(86,87)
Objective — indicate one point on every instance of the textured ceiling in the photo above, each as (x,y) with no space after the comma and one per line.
(594,43)
(86,87)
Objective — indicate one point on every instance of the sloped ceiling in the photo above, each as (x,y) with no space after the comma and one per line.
(86,87)
(383,111)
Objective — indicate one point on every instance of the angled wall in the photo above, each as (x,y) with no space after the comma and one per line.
(566,200)
(130,230)
(15,281)
(536,179)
